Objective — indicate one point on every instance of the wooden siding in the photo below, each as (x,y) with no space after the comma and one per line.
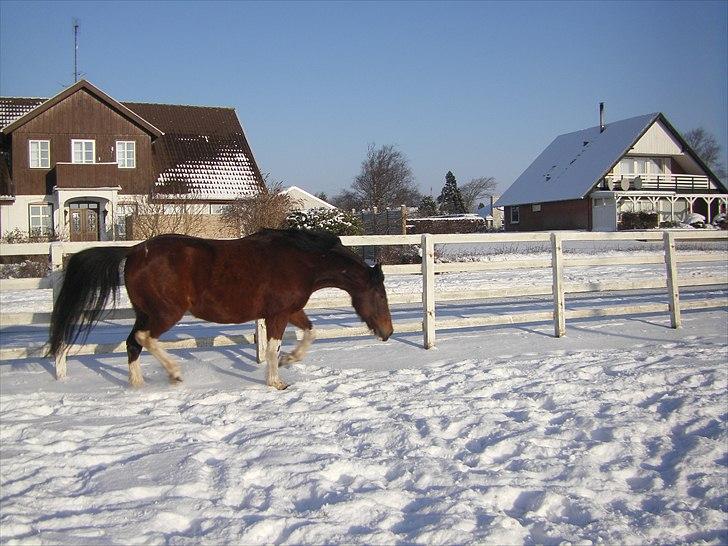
(657,141)
(80,116)
(573,214)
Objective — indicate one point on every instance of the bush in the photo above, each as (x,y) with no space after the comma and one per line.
(331,220)
(34,236)
(638,220)
(465,223)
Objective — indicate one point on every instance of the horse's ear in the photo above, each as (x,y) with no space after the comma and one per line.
(376,273)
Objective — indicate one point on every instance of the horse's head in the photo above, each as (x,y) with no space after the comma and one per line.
(370,302)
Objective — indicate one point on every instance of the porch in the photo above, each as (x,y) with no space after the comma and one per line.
(607,206)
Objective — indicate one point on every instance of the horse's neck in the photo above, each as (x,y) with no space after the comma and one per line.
(339,273)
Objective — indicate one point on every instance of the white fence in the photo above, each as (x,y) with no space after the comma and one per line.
(428,297)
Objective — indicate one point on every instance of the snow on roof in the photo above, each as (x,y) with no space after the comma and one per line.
(574,162)
(295,190)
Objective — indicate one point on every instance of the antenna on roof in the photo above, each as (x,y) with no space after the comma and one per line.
(601,117)
(75,50)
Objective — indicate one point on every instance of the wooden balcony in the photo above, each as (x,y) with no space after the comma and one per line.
(678,183)
(85,175)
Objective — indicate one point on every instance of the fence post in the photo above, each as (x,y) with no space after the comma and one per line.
(672,283)
(428,290)
(261,340)
(56,268)
(557,269)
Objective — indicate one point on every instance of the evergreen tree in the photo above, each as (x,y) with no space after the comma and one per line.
(427,206)
(450,199)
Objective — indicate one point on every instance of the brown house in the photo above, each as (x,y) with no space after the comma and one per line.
(75,164)
(588,179)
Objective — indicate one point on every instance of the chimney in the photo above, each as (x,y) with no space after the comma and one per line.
(601,117)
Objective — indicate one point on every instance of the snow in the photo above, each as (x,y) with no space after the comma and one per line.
(615,433)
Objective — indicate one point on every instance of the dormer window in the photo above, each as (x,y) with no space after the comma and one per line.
(83,151)
(40,154)
(126,154)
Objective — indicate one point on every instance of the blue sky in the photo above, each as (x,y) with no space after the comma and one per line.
(479,88)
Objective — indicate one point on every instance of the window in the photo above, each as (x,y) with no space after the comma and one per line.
(41,219)
(536,207)
(126,154)
(40,154)
(83,151)
(515,215)
(642,165)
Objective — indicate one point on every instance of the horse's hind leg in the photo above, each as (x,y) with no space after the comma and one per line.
(151,344)
(133,350)
(300,320)
(149,339)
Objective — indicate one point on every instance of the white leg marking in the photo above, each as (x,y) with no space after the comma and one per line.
(61,363)
(151,344)
(271,356)
(301,349)
(135,374)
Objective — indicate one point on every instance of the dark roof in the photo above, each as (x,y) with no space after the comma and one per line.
(12,108)
(203,151)
(198,151)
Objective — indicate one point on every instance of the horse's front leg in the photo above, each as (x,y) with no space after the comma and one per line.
(275,328)
(300,320)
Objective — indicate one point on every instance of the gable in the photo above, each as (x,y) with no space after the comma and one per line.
(657,140)
(80,113)
(88,88)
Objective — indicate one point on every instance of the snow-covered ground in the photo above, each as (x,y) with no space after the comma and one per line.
(505,435)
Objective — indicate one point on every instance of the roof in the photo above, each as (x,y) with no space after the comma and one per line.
(203,151)
(199,151)
(296,192)
(574,162)
(12,108)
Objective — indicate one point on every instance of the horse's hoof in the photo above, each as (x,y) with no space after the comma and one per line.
(175,380)
(287,359)
(136,384)
(280,385)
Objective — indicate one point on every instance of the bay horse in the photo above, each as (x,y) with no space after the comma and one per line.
(269,275)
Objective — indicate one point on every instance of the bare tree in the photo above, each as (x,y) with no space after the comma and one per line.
(268,209)
(385,179)
(346,200)
(174,211)
(475,190)
(706,146)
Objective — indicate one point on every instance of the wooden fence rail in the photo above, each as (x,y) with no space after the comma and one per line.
(428,296)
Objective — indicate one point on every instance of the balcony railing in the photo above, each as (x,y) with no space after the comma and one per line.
(86,175)
(679,183)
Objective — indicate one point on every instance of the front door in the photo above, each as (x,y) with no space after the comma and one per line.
(84,221)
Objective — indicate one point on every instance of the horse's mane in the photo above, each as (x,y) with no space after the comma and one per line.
(304,239)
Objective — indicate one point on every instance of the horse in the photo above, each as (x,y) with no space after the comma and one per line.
(268,275)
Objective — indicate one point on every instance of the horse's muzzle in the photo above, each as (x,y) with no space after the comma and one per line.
(384,336)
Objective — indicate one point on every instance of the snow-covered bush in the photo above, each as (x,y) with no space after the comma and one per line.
(332,220)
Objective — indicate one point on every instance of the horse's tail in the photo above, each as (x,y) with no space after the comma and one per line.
(91,276)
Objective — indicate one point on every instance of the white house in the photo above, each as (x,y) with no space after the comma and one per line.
(587,179)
